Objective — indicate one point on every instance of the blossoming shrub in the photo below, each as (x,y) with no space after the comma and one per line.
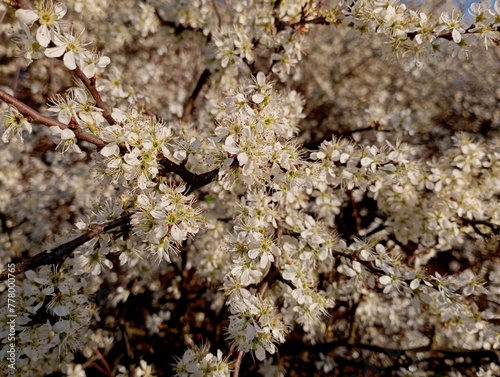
(224,188)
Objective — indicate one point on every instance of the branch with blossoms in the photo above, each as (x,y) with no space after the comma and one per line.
(399,23)
(192,180)
(33,116)
(494,228)
(90,84)
(59,254)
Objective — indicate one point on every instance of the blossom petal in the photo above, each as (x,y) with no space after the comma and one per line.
(43,35)
(103,61)
(60,10)
(90,70)
(27,16)
(69,60)
(67,134)
(64,116)
(457,37)
(55,52)
(177,234)
(110,150)
(385,279)
(242,158)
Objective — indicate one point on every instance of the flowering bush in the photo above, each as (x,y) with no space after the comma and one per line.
(225,188)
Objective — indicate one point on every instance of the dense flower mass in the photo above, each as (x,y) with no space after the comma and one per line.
(273,187)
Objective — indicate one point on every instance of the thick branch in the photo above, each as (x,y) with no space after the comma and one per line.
(35,117)
(90,85)
(193,181)
(60,253)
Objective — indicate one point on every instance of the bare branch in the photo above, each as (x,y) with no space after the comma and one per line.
(237,364)
(188,106)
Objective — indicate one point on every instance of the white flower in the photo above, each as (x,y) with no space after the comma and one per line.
(67,139)
(68,45)
(66,107)
(28,46)
(75,371)
(451,23)
(15,123)
(144,370)
(92,63)
(48,16)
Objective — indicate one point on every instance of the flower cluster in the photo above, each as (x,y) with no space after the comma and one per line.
(145,140)
(56,38)
(254,134)
(198,361)
(254,324)
(63,301)
(165,218)
(407,29)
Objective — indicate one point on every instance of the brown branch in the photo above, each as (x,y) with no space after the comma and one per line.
(35,117)
(237,364)
(60,253)
(299,347)
(495,229)
(188,106)
(90,85)
(17,4)
(192,180)
(179,29)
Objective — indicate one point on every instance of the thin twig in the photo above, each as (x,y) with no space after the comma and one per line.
(90,85)
(103,361)
(188,106)
(237,364)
